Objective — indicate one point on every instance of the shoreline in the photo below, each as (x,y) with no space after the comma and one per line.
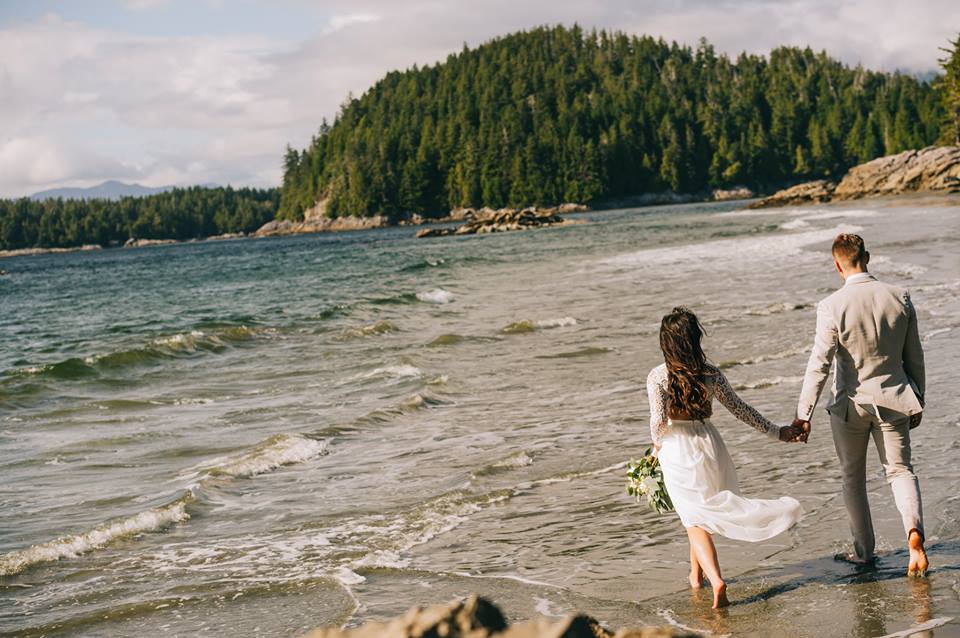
(458,215)
(285,228)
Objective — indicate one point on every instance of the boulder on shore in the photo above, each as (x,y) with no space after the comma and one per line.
(476,617)
(815,192)
(487,220)
(935,169)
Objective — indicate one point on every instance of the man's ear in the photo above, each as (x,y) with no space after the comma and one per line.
(837,265)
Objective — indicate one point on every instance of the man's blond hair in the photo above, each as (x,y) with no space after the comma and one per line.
(849,250)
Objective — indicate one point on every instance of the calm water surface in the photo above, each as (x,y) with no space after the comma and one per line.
(259,437)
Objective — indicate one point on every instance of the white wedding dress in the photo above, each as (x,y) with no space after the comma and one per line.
(699,473)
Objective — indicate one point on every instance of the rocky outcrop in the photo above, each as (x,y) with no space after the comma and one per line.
(140,243)
(487,220)
(814,192)
(23,252)
(935,169)
(478,618)
(322,225)
(728,194)
(932,169)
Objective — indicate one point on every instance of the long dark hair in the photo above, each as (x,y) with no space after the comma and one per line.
(687,368)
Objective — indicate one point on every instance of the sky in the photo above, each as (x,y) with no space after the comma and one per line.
(182,92)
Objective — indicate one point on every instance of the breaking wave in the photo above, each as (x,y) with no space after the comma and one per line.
(150,520)
(180,345)
(436,296)
(276,451)
(766,383)
(527,325)
(783,354)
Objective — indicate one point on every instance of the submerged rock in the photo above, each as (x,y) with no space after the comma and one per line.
(935,169)
(476,617)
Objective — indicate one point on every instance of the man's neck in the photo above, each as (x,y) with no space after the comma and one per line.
(853,273)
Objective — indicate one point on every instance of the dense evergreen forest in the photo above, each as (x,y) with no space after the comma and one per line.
(561,114)
(182,213)
(546,116)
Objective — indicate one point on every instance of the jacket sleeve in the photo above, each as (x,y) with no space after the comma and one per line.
(913,351)
(821,358)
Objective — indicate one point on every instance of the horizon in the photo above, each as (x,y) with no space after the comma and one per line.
(164,93)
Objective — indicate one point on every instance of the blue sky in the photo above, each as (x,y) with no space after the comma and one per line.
(198,91)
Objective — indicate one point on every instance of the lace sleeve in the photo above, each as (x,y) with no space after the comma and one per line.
(741,409)
(657,393)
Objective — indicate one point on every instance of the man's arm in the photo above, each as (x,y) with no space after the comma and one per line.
(818,367)
(913,351)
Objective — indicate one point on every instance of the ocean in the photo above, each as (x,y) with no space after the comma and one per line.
(259,437)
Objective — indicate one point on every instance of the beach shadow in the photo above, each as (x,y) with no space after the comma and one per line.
(826,570)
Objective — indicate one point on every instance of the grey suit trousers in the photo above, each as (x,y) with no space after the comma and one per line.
(891,434)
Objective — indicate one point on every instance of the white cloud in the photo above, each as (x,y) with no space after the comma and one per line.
(83,104)
(142,5)
(338,22)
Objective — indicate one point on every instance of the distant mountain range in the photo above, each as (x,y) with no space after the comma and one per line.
(111,189)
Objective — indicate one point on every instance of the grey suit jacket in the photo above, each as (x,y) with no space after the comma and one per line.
(870,328)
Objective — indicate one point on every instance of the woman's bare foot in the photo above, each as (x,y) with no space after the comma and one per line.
(918,556)
(696,579)
(720,595)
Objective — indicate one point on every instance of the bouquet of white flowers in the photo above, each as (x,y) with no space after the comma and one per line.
(645,480)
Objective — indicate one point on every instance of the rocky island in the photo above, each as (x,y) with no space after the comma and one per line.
(477,617)
(487,220)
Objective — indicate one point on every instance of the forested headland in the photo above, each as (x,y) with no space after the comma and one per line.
(562,114)
(182,213)
(546,116)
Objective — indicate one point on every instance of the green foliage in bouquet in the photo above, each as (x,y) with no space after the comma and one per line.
(645,480)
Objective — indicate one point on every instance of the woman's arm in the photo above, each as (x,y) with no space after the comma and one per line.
(657,393)
(743,410)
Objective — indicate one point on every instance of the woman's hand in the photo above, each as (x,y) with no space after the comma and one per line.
(792,433)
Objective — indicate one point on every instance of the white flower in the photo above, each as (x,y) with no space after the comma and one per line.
(650,485)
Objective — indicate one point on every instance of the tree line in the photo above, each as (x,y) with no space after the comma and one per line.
(182,213)
(546,116)
(562,114)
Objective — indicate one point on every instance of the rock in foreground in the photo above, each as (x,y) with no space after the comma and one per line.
(935,169)
(478,618)
(487,220)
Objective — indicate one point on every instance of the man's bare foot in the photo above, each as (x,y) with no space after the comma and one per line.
(918,556)
(696,579)
(854,559)
(720,595)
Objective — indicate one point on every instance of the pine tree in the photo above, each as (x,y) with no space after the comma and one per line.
(949,88)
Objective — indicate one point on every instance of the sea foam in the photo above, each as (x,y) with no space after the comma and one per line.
(149,520)
(436,296)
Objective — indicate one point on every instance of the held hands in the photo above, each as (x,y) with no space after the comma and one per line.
(796,432)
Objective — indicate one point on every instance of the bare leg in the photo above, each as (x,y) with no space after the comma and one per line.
(706,553)
(918,556)
(696,573)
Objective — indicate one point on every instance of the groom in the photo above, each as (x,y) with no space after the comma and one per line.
(870,328)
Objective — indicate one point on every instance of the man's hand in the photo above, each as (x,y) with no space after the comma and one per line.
(803,430)
(915,419)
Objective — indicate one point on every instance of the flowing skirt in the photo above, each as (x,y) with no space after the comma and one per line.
(702,482)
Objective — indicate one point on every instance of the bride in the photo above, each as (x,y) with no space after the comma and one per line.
(697,469)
